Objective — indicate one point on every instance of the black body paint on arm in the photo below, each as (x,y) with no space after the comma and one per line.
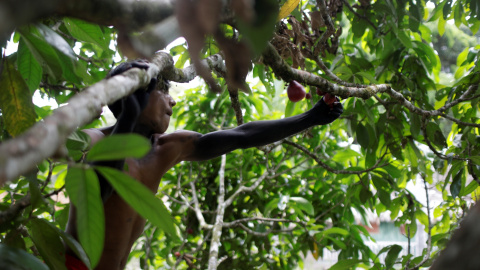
(260,133)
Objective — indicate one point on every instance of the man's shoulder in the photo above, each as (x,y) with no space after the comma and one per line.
(179,138)
(178,134)
(97,134)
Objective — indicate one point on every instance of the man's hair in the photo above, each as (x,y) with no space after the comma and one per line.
(156,83)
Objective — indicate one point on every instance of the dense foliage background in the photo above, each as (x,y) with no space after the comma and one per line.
(268,207)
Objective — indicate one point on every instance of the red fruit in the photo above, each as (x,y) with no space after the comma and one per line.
(329,99)
(177,254)
(295,91)
(190,231)
(308,95)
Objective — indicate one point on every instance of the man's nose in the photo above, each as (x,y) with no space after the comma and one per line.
(172,102)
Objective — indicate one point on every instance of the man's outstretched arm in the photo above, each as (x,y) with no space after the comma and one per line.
(260,133)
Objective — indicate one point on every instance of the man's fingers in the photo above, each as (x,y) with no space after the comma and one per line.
(140,65)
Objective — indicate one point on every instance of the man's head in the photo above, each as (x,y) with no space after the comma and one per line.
(154,99)
(158,110)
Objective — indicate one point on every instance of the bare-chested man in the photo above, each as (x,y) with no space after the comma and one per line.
(147,112)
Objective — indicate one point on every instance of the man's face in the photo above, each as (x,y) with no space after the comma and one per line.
(158,111)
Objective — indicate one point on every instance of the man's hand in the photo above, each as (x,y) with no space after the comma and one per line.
(326,114)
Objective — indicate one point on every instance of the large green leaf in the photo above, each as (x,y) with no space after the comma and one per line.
(78,140)
(119,146)
(85,31)
(392,256)
(456,184)
(14,258)
(304,204)
(73,245)
(28,66)
(15,101)
(140,198)
(84,191)
(42,51)
(48,244)
(362,136)
(335,230)
(56,41)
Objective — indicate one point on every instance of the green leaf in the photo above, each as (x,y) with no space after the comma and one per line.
(304,204)
(475,26)
(337,242)
(362,136)
(28,66)
(85,31)
(42,51)
(78,140)
(435,134)
(476,160)
(416,15)
(73,245)
(393,171)
(462,56)
(270,206)
(84,191)
(15,101)
(48,244)
(358,28)
(345,264)
(108,148)
(441,26)
(336,230)
(35,193)
(404,38)
(415,124)
(456,184)
(459,14)
(290,108)
(56,41)
(447,8)
(14,258)
(392,256)
(140,198)
(367,76)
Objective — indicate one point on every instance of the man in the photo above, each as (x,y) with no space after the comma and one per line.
(147,112)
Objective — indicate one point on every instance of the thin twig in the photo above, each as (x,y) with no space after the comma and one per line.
(328,168)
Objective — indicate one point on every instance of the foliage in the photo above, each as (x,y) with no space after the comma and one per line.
(312,188)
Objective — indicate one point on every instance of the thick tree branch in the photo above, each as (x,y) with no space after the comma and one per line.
(125,15)
(48,137)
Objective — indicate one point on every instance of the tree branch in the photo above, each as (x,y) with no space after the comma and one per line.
(217,227)
(125,15)
(263,219)
(198,211)
(48,137)
(287,73)
(326,167)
